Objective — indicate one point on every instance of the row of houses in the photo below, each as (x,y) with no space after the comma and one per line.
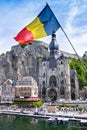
(23,88)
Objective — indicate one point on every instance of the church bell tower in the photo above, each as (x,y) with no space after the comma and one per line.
(54,48)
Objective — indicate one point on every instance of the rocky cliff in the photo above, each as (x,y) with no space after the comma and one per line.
(22,61)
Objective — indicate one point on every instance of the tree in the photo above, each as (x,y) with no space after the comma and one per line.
(80,66)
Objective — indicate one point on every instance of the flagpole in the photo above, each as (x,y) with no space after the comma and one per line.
(72,47)
(66,36)
(69,41)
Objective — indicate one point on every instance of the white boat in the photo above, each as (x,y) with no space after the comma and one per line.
(83,122)
(52,120)
(59,120)
(65,120)
(26,112)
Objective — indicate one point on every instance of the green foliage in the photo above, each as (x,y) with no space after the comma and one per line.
(22,103)
(23,45)
(67,105)
(2,54)
(45,47)
(80,108)
(39,103)
(39,57)
(81,67)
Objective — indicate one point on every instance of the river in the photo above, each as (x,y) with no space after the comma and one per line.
(13,122)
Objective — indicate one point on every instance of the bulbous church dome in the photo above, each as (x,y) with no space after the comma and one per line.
(53,44)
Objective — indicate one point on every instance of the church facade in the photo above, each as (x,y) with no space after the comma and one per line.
(56,80)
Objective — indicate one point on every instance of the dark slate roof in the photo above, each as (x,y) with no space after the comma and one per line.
(62,57)
(53,44)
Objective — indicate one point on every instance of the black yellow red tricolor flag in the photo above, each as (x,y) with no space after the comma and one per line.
(43,25)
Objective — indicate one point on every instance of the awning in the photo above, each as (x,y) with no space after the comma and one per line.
(33,99)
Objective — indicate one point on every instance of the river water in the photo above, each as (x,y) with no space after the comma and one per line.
(12,122)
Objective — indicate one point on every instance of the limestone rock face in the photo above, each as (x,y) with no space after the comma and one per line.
(22,61)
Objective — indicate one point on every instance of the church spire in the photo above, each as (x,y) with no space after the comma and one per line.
(53,46)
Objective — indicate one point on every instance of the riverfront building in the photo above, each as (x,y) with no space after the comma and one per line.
(26,88)
(7,92)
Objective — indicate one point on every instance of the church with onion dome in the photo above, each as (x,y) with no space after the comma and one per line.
(56,80)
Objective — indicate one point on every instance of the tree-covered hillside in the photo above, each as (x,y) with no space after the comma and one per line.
(81,68)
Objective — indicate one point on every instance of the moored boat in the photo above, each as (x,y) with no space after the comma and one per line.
(52,120)
(60,120)
(65,120)
(83,122)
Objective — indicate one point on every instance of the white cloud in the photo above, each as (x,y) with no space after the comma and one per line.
(76,34)
(14,17)
(12,20)
(72,14)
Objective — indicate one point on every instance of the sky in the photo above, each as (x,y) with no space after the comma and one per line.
(71,14)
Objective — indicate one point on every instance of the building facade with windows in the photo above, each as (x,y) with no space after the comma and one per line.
(7,92)
(26,87)
(55,77)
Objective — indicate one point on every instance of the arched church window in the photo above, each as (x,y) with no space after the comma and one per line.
(30,82)
(72,80)
(53,81)
(62,92)
(43,83)
(43,91)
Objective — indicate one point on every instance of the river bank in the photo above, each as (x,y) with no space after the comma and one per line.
(42,114)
